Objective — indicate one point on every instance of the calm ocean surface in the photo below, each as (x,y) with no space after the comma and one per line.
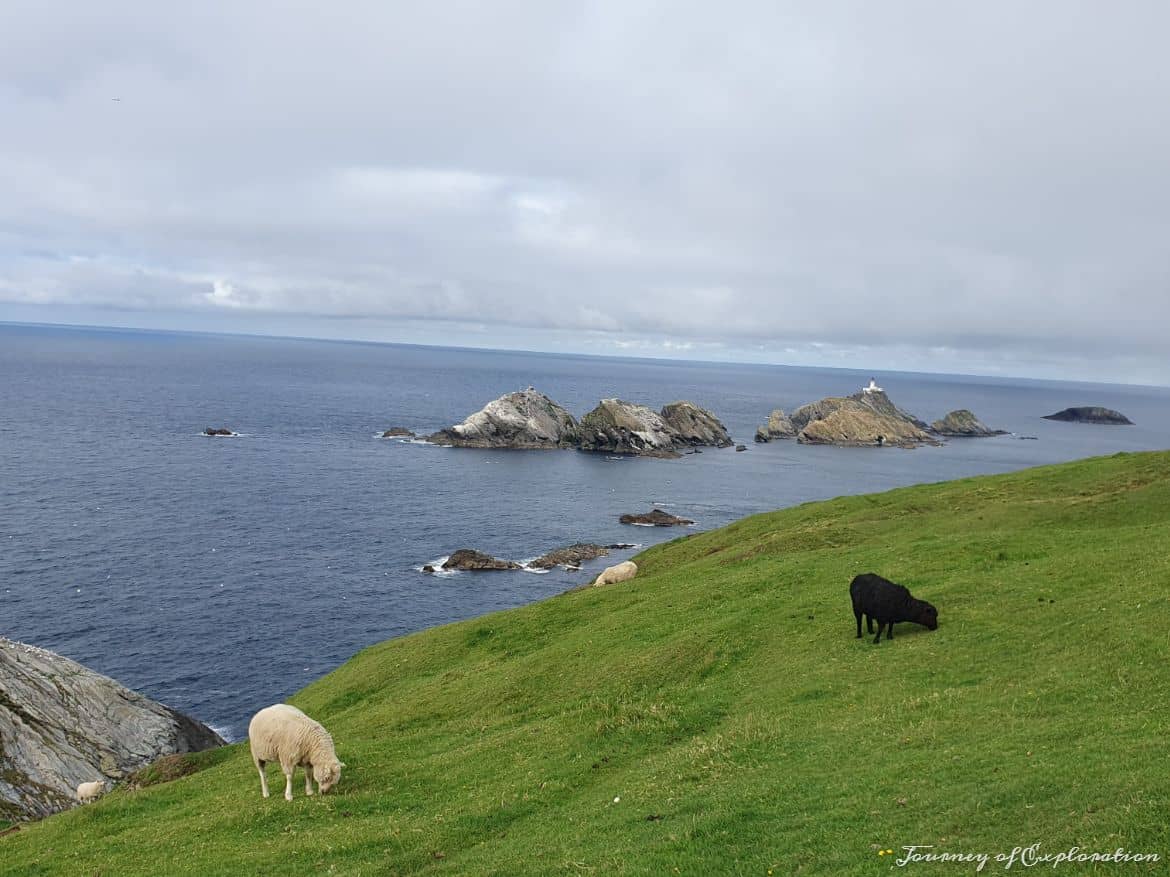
(221,575)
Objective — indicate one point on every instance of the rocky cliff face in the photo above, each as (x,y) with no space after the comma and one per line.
(961,424)
(62,724)
(526,419)
(618,427)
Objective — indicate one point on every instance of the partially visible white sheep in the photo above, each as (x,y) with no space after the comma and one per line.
(89,792)
(622,572)
(283,733)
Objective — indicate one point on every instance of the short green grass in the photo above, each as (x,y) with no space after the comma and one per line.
(717,715)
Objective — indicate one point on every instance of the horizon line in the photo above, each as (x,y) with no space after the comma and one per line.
(612,356)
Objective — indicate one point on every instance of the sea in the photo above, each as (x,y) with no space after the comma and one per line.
(220,575)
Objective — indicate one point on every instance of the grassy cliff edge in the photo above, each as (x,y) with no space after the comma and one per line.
(717,716)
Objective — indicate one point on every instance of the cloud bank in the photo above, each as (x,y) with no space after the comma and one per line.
(975,184)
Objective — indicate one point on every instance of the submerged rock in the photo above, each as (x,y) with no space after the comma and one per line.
(525,419)
(572,556)
(741,448)
(656,518)
(470,559)
(962,423)
(62,724)
(221,430)
(1092,414)
(397,431)
(618,427)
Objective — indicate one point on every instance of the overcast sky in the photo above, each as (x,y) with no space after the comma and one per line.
(971,187)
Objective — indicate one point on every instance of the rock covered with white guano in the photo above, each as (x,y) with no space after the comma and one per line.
(525,419)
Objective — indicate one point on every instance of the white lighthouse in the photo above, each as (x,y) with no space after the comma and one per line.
(872,388)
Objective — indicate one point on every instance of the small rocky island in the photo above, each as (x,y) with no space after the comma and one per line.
(217,430)
(570,557)
(868,418)
(470,559)
(963,424)
(528,419)
(655,518)
(1091,414)
(61,724)
(617,427)
(398,432)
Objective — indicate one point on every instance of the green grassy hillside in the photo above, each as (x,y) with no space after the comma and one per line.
(717,715)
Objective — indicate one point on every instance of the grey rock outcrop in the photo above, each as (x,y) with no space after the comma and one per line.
(470,559)
(1091,414)
(62,724)
(618,427)
(655,518)
(525,419)
(572,556)
(962,424)
(398,432)
(779,426)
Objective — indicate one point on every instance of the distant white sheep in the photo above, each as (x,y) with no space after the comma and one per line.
(89,792)
(622,572)
(285,734)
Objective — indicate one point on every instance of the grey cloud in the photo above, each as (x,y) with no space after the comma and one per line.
(987,178)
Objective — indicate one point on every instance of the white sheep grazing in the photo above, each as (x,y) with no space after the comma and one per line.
(623,572)
(283,733)
(89,792)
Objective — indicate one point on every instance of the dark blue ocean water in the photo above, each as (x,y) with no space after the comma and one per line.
(221,575)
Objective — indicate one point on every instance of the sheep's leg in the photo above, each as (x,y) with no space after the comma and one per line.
(289,770)
(868,623)
(890,631)
(308,780)
(857,615)
(877,639)
(263,779)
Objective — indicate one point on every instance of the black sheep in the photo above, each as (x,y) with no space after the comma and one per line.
(883,601)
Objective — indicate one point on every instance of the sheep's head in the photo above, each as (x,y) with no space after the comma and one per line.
(327,774)
(926,615)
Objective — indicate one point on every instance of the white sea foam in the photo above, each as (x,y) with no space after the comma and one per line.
(224,731)
(437,565)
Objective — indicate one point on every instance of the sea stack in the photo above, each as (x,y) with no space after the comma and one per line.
(619,427)
(526,419)
(963,424)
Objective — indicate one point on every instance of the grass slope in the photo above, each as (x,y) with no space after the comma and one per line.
(723,698)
